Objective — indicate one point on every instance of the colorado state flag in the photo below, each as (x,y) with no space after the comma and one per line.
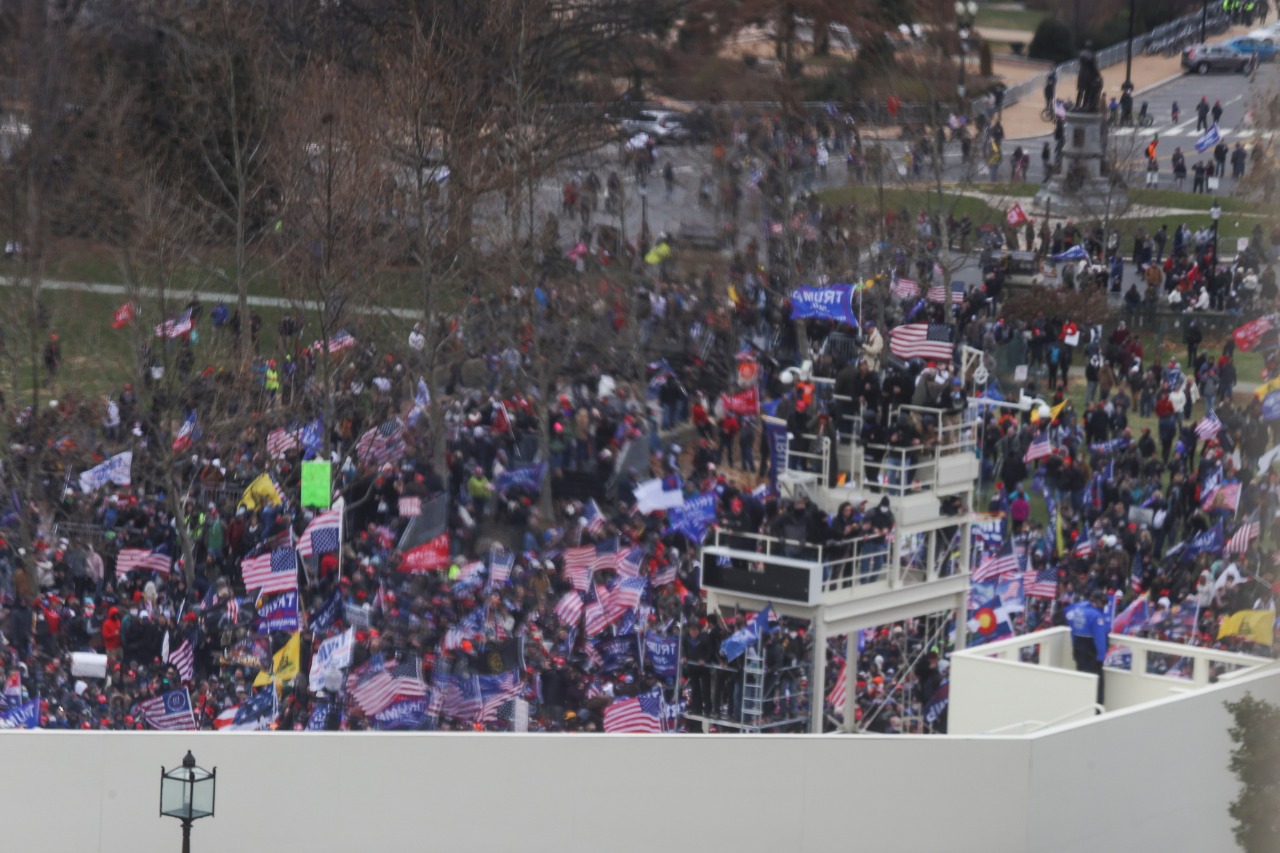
(990,622)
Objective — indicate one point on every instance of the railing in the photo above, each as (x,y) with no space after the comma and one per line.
(845,564)
(807,461)
(79,532)
(901,470)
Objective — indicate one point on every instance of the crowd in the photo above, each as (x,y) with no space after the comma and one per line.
(503,555)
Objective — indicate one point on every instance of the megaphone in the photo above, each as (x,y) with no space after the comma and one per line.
(797,374)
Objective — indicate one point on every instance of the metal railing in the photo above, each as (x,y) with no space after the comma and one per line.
(846,563)
(900,470)
(817,463)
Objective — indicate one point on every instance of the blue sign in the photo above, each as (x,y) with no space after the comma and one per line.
(775,432)
(279,614)
(618,652)
(834,302)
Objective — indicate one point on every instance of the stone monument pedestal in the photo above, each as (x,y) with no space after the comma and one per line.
(1085,183)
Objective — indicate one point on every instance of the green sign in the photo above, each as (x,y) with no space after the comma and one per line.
(316,477)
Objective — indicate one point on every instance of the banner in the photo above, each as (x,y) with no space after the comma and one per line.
(22,716)
(775,431)
(316,480)
(402,715)
(744,402)
(529,477)
(279,614)
(116,470)
(834,302)
(693,517)
(431,555)
(618,652)
(1250,334)
(660,654)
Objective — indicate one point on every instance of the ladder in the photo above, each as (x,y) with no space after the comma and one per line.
(752,691)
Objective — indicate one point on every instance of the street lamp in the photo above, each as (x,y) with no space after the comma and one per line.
(1128,53)
(966,13)
(644,211)
(186,793)
(1214,213)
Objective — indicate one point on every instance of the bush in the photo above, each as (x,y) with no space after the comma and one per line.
(1052,41)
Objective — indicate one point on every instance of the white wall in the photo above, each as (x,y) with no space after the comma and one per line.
(988,694)
(1120,782)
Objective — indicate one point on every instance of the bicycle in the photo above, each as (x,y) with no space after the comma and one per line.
(1050,113)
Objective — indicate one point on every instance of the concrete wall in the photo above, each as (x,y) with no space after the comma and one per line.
(988,694)
(1143,779)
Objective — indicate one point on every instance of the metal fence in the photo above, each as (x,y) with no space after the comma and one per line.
(1106,57)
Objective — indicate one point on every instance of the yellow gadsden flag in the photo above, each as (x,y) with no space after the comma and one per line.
(1057,410)
(260,492)
(1256,626)
(285,664)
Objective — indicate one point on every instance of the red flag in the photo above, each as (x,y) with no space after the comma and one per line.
(1248,335)
(432,554)
(1016,216)
(123,316)
(892,105)
(744,402)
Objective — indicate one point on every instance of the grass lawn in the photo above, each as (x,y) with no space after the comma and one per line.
(1197,201)
(1010,19)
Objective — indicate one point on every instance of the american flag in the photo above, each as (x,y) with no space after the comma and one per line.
(837,695)
(1249,530)
(1038,449)
(501,561)
(666,575)
(1208,427)
(322,534)
(175,327)
(1002,563)
(375,688)
(273,572)
(904,288)
(233,609)
(639,715)
(597,617)
(187,434)
(577,566)
(169,711)
(937,293)
(383,443)
(495,691)
(629,562)
(339,342)
(281,441)
(184,658)
(594,518)
(410,506)
(1041,584)
(569,609)
(459,696)
(1084,545)
(606,555)
(140,558)
(921,340)
(957,292)
(625,596)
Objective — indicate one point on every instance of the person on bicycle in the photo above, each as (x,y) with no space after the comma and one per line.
(1050,89)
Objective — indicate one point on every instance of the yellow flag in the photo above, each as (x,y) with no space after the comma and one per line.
(284,663)
(1256,626)
(733,294)
(1057,520)
(260,492)
(1057,410)
(1267,387)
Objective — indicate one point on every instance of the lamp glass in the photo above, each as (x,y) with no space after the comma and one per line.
(175,794)
(973,8)
(960,7)
(202,788)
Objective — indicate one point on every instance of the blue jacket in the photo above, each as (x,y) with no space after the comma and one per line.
(1088,621)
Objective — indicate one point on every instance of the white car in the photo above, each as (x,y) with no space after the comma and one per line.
(1269,34)
(662,125)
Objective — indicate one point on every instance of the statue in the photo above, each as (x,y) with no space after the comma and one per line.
(1088,81)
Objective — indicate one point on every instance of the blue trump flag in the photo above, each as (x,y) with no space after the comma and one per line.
(749,635)
(660,654)
(834,302)
(327,612)
(618,652)
(279,614)
(775,431)
(693,517)
(529,477)
(1075,253)
(25,715)
(406,714)
(1212,541)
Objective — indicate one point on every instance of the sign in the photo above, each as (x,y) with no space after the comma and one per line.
(316,484)
(432,554)
(775,430)
(279,614)
(1020,373)
(333,654)
(834,302)
(88,665)
(405,714)
(1250,334)
(116,470)
(617,652)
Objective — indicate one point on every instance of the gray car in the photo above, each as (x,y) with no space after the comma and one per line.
(1203,58)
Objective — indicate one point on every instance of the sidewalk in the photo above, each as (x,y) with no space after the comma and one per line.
(1022,120)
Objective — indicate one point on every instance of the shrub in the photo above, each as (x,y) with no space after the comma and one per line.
(1052,41)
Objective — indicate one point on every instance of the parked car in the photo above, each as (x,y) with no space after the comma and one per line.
(1203,58)
(1249,46)
(664,126)
(1269,34)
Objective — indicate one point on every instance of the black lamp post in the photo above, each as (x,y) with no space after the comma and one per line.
(966,13)
(1128,52)
(644,211)
(1204,21)
(1214,213)
(187,793)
